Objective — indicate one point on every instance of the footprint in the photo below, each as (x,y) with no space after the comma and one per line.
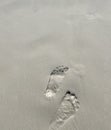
(67,109)
(56,77)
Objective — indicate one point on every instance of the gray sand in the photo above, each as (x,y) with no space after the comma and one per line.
(38,35)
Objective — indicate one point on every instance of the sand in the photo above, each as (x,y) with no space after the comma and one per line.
(38,35)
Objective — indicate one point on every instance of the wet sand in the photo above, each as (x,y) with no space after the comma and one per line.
(37,36)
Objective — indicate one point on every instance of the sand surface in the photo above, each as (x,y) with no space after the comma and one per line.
(38,35)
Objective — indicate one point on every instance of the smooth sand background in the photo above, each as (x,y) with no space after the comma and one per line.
(38,35)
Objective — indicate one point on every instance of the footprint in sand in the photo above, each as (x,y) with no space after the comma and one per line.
(68,107)
(56,77)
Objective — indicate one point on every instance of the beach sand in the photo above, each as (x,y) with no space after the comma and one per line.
(38,35)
